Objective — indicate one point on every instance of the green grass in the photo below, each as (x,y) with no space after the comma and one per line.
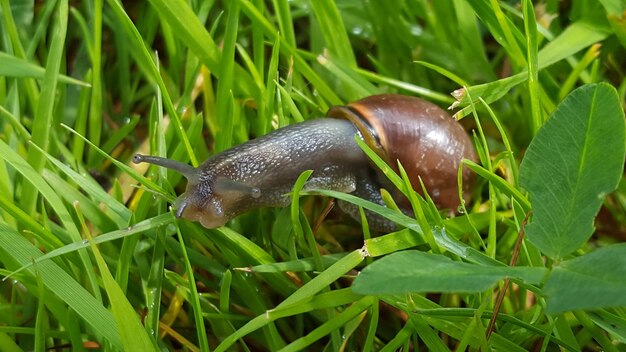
(92,255)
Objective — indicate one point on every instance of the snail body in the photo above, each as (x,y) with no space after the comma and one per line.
(258,173)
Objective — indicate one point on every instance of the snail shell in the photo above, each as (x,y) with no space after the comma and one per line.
(426,140)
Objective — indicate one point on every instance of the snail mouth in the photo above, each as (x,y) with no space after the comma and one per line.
(180,210)
(209,215)
(180,205)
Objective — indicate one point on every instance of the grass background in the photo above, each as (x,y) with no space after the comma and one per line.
(86,85)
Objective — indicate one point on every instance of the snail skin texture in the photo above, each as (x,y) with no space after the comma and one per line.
(259,173)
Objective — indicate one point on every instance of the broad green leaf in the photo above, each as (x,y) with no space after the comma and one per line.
(575,159)
(415,271)
(592,281)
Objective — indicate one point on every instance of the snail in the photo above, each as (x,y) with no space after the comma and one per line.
(259,173)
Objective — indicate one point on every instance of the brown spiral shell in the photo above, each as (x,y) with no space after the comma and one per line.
(426,140)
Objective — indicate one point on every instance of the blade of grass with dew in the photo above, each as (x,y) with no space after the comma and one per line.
(322,301)
(500,183)
(42,316)
(334,324)
(421,91)
(145,61)
(613,323)
(117,137)
(80,122)
(418,211)
(590,56)
(530,27)
(249,287)
(45,107)
(94,128)
(55,202)
(154,280)
(194,299)
(471,41)
(143,226)
(188,28)
(359,87)
(132,173)
(99,219)
(304,264)
(16,124)
(17,251)
(305,69)
(249,252)
(302,229)
(269,96)
(381,247)
(383,211)
(574,38)
(480,141)
(426,333)
(295,113)
(334,31)
(501,27)
(132,333)
(84,32)
(226,118)
(119,213)
(42,27)
(28,223)
(285,20)
(296,220)
(14,42)
(11,66)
